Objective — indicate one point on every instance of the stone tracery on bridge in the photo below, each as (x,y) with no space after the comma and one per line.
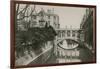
(62,34)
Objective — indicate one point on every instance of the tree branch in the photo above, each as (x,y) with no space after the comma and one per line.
(23,9)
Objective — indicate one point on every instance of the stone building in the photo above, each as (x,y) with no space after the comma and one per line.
(38,19)
(86,25)
(42,17)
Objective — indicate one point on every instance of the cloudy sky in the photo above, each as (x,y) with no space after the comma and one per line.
(68,16)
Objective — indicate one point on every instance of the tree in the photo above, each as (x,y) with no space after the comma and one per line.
(32,38)
(21,14)
(22,37)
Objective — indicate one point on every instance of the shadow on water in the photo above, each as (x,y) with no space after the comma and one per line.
(85,54)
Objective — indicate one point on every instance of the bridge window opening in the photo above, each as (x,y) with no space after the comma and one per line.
(41,23)
(59,34)
(63,34)
(54,17)
(73,33)
(68,33)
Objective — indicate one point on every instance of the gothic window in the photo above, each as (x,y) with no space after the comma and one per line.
(73,33)
(41,23)
(58,25)
(63,33)
(48,17)
(54,24)
(68,33)
(54,17)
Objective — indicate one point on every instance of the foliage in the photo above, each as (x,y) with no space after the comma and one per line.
(33,39)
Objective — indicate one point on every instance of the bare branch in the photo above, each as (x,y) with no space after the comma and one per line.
(24,13)
(22,17)
(33,10)
(23,9)
(17,9)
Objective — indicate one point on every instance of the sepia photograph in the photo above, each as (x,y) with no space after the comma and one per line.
(47,34)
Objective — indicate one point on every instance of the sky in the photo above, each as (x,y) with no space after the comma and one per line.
(68,16)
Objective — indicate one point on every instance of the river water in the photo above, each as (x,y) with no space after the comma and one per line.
(67,51)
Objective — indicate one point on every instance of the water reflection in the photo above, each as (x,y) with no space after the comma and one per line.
(62,60)
(67,51)
(68,44)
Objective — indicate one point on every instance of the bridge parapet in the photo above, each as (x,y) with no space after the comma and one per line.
(67,33)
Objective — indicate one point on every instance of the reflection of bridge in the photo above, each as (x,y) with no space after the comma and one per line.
(73,54)
(68,53)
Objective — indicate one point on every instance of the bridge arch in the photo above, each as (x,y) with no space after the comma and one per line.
(59,40)
(73,43)
(67,52)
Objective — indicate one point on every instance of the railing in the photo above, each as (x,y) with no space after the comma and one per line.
(36,59)
(42,58)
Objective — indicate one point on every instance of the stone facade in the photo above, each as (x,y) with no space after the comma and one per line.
(39,19)
(87,26)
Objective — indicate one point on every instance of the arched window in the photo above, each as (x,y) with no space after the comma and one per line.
(68,33)
(41,22)
(73,33)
